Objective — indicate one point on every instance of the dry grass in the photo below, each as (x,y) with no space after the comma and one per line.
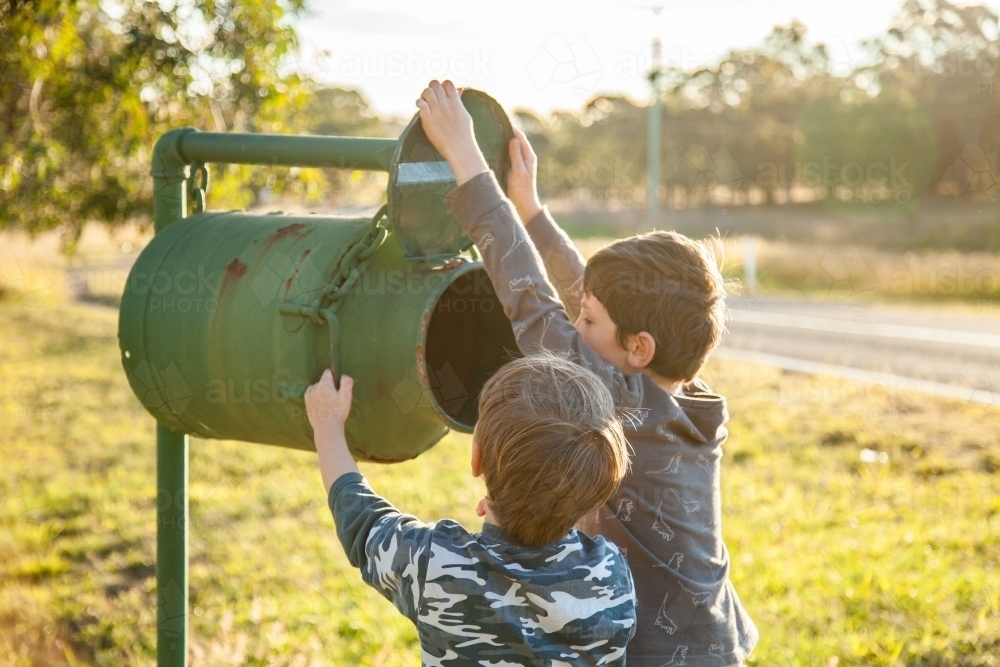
(886,562)
(862,275)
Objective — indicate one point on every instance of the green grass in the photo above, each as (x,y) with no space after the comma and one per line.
(889,563)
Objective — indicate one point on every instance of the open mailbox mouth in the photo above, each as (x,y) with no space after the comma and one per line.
(468,338)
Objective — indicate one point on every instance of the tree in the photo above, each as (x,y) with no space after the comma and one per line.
(598,154)
(86,86)
(342,112)
(948,58)
(734,122)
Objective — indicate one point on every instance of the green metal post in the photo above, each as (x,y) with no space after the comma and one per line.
(170,204)
(171,547)
(653,136)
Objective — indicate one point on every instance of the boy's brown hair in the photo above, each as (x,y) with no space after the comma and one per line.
(667,285)
(552,446)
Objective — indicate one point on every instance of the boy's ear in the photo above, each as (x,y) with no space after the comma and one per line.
(477,459)
(641,348)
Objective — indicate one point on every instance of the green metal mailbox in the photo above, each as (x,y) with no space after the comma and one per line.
(227,317)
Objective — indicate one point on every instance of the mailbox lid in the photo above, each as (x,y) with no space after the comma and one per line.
(420,178)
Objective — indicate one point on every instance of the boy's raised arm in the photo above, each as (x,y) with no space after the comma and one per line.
(384,544)
(512,262)
(563,262)
(539,320)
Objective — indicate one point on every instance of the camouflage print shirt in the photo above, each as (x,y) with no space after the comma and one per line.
(483,599)
(667,514)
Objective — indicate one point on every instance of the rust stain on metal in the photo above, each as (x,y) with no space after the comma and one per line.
(425,322)
(288,230)
(421,370)
(234,270)
(298,265)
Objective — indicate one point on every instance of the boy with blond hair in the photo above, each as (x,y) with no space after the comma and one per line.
(529,589)
(648,310)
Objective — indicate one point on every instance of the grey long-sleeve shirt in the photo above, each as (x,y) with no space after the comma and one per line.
(666,517)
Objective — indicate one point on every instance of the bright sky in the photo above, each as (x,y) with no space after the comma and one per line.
(546,54)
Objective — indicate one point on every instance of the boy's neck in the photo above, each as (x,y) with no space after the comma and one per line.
(666,384)
(489,518)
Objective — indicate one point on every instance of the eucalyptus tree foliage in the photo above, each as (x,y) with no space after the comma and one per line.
(86,86)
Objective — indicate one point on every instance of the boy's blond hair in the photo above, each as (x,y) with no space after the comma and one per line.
(667,285)
(552,446)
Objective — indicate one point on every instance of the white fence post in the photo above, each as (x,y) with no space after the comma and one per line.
(750,264)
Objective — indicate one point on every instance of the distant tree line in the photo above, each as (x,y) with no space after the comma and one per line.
(779,123)
(86,87)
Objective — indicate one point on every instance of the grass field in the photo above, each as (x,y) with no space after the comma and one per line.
(843,556)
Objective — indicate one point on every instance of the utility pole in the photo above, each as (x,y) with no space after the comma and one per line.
(653,135)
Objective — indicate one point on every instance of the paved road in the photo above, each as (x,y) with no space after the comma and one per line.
(947,354)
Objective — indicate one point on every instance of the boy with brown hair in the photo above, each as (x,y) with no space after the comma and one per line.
(529,589)
(648,310)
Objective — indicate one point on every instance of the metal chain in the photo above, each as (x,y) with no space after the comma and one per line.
(197,191)
(353,262)
(350,265)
